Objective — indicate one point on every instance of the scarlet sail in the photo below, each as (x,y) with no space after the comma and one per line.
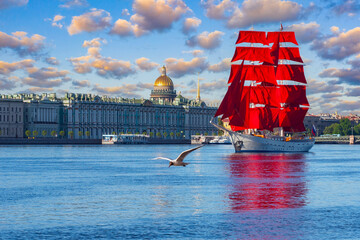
(281,37)
(258,96)
(252,54)
(252,37)
(258,73)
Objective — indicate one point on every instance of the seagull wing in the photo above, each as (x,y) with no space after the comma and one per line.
(163,158)
(182,155)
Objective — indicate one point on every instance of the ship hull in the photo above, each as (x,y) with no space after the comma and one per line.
(250,143)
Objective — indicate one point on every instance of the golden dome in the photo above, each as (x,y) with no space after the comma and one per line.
(163,81)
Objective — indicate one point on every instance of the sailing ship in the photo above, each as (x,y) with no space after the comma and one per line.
(266,102)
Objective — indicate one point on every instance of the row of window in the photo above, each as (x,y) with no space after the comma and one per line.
(6,109)
(6,118)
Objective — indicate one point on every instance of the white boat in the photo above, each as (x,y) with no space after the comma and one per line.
(266,100)
(109,139)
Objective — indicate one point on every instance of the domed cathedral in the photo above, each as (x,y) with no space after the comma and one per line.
(163,88)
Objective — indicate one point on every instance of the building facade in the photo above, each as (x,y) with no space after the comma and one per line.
(11,118)
(43,117)
(91,117)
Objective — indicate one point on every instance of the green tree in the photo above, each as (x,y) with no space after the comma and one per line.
(206,134)
(144,133)
(197,133)
(128,132)
(62,133)
(27,133)
(357,129)
(336,128)
(329,129)
(113,133)
(137,133)
(53,133)
(151,134)
(165,134)
(80,133)
(35,133)
(345,126)
(87,133)
(172,134)
(178,135)
(221,132)
(71,134)
(44,133)
(158,134)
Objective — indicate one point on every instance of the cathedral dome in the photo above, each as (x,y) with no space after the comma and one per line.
(164,82)
(163,88)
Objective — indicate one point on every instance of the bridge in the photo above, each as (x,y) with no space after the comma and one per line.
(355,139)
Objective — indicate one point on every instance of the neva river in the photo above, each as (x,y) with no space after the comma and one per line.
(119,192)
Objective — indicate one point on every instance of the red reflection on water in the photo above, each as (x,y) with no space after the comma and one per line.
(267,181)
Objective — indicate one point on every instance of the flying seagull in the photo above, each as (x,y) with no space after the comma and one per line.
(179,160)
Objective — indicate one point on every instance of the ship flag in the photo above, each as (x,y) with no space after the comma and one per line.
(313,130)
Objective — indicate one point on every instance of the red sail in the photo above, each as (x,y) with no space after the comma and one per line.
(263,118)
(258,73)
(291,72)
(228,104)
(290,53)
(293,95)
(263,95)
(292,119)
(252,37)
(283,37)
(252,54)
(240,114)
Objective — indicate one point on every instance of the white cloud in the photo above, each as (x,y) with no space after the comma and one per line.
(180,67)
(218,11)
(126,90)
(6,84)
(80,84)
(52,61)
(190,25)
(7,68)
(145,64)
(104,66)
(223,66)
(338,47)
(55,22)
(264,11)
(158,15)
(95,20)
(305,32)
(195,53)
(21,43)
(206,40)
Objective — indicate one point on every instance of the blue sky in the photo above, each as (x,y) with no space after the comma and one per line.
(115,47)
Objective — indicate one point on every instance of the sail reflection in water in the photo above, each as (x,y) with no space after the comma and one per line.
(267,181)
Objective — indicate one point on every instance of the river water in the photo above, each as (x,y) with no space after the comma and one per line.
(119,192)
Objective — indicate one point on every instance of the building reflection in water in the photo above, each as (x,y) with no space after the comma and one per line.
(267,181)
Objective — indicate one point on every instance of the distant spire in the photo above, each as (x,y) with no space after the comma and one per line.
(198,90)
